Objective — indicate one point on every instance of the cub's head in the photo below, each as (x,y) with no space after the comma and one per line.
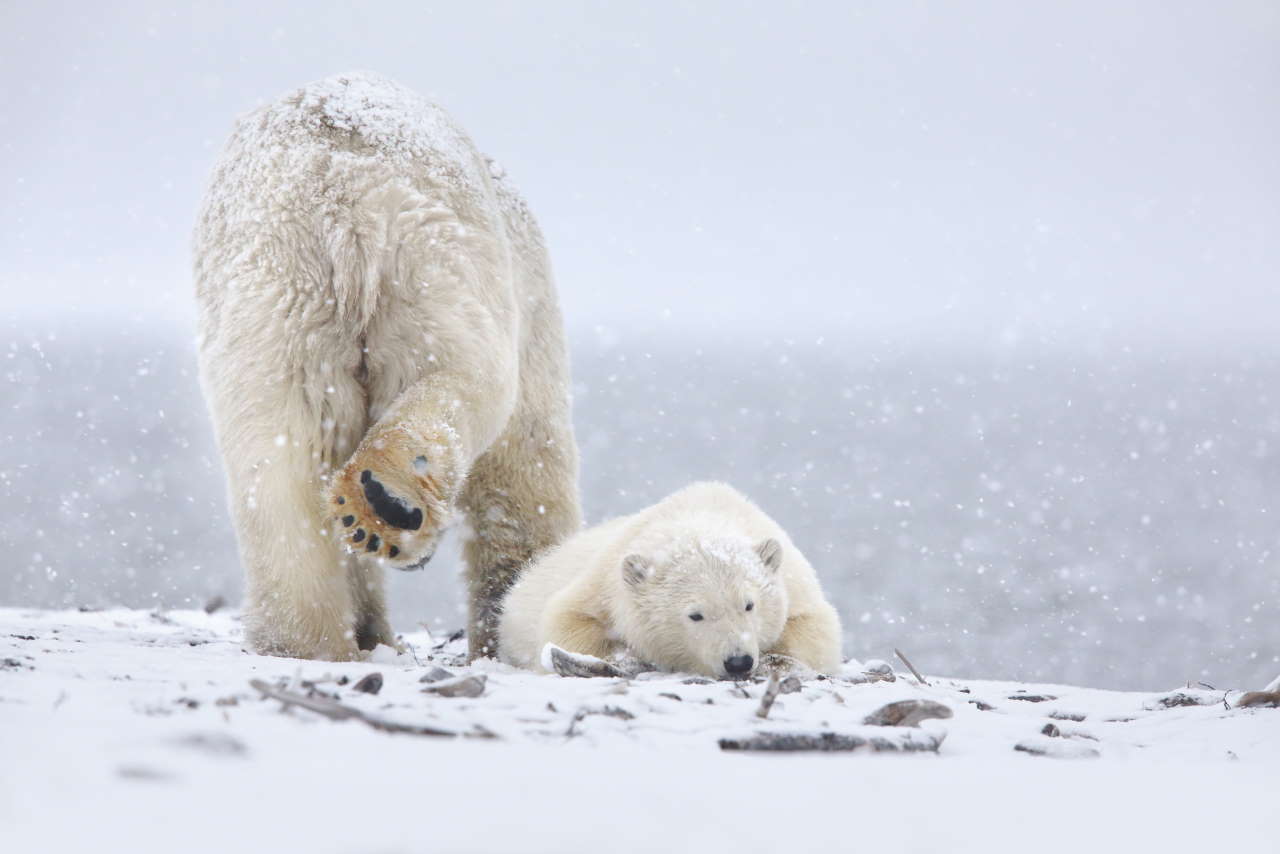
(708,607)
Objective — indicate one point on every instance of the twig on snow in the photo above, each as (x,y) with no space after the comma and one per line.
(911,667)
(608,711)
(335,711)
(776,686)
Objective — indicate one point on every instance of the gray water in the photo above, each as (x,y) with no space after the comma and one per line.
(1100,517)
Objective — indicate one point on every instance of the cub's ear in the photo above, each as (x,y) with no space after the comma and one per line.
(635,570)
(770,553)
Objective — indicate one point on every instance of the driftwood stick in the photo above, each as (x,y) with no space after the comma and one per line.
(911,667)
(778,684)
(335,711)
(770,694)
(829,742)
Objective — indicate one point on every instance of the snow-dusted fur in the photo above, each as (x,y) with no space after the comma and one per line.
(637,585)
(380,344)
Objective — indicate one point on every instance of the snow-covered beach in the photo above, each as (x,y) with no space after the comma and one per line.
(975,301)
(140,731)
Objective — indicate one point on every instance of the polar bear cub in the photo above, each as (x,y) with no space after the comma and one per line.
(701,582)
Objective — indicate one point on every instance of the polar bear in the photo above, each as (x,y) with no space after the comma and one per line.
(381,349)
(701,582)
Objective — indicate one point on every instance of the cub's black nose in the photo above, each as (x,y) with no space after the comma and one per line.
(738,665)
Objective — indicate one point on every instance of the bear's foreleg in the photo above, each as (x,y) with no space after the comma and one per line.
(813,638)
(577,632)
(394,497)
(298,600)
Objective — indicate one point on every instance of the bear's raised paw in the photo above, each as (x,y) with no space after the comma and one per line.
(387,505)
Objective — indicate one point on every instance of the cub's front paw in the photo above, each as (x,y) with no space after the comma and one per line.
(557,660)
(775,663)
(389,503)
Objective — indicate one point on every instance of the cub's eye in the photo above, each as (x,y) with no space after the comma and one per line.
(750,605)
(695,617)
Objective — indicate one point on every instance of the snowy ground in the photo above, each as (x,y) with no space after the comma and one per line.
(126,730)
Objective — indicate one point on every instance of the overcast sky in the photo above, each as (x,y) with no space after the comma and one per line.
(990,169)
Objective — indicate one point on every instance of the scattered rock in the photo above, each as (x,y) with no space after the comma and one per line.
(214,743)
(1178,699)
(436,674)
(671,696)
(1057,748)
(697,680)
(143,773)
(907,713)
(1051,730)
(216,603)
(876,670)
(461,686)
(1066,716)
(982,707)
(1032,698)
(370,684)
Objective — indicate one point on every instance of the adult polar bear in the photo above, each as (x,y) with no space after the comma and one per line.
(380,343)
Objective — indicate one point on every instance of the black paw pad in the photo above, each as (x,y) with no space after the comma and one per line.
(393,551)
(348,521)
(374,542)
(358,535)
(392,511)
(341,500)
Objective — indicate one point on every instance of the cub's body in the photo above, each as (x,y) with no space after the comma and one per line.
(703,581)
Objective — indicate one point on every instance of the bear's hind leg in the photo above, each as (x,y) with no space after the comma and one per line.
(521,498)
(367,592)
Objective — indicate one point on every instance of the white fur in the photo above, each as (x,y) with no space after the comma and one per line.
(632,584)
(361,267)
